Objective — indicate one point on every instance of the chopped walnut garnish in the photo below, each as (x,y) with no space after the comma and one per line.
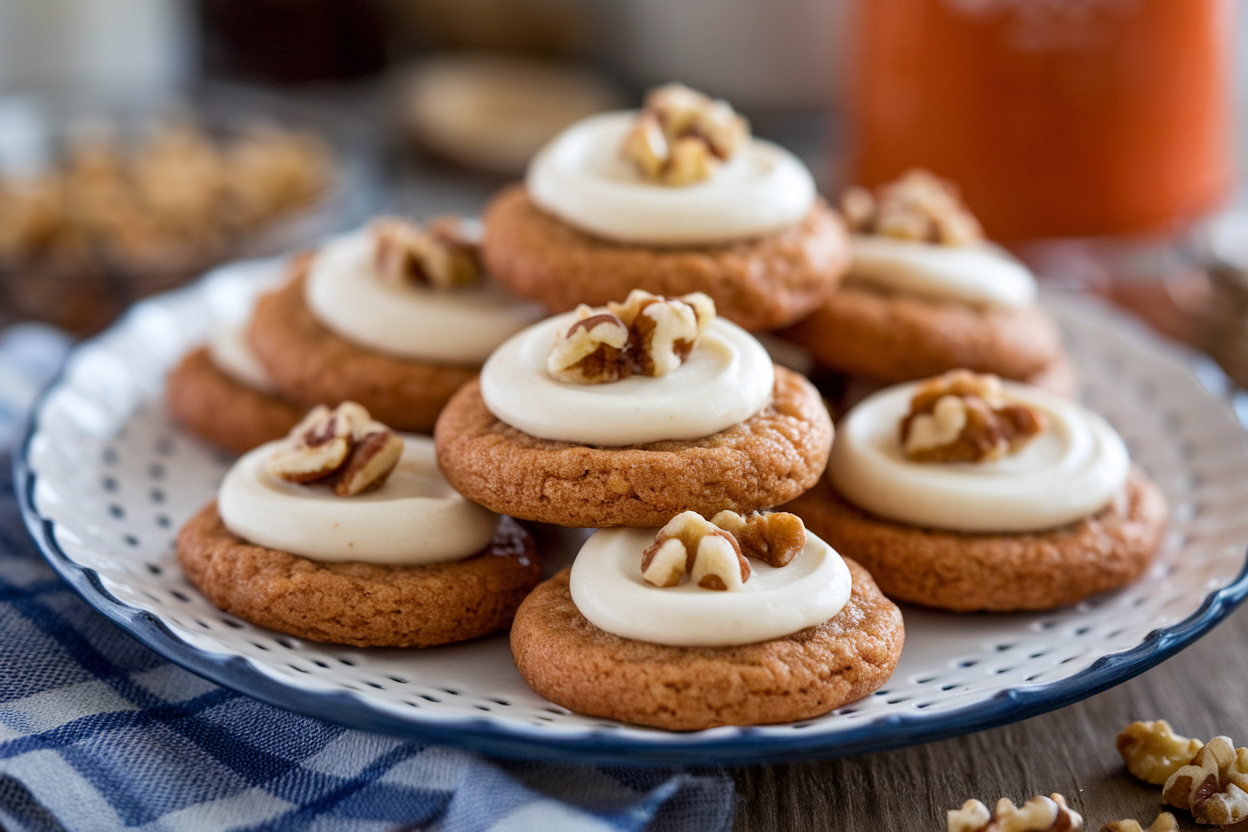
(775,538)
(343,448)
(1153,752)
(439,255)
(918,206)
(1040,814)
(1214,785)
(646,335)
(682,136)
(689,543)
(964,417)
(1165,822)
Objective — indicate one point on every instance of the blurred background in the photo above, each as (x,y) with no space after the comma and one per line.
(143,141)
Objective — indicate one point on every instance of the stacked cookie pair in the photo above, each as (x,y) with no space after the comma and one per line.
(393,316)
(669,429)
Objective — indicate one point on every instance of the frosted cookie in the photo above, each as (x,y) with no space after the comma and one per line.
(222,394)
(346,532)
(738,621)
(927,294)
(965,493)
(393,316)
(627,415)
(673,199)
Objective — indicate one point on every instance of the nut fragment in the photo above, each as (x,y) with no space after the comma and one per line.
(646,335)
(1165,822)
(1040,814)
(964,417)
(1214,785)
(774,538)
(682,136)
(343,448)
(688,543)
(1153,752)
(440,255)
(918,206)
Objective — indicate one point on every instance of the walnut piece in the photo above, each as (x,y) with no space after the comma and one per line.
(1165,822)
(691,544)
(439,255)
(1153,752)
(1040,814)
(918,206)
(964,417)
(682,136)
(343,448)
(646,335)
(774,538)
(1214,785)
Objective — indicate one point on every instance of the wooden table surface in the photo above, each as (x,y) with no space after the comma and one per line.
(1202,692)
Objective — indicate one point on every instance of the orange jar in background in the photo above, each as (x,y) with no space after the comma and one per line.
(1056,117)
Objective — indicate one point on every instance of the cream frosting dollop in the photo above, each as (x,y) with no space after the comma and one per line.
(608,589)
(1071,470)
(231,354)
(582,178)
(459,327)
(726,379)
(980,274)
(415,517)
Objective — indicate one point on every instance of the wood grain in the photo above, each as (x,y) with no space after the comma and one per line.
(1202,691)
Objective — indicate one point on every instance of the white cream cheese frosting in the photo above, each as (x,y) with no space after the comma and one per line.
(608,589)
(232,355)
(725,380)
(415,517)
(1072,469)
(582,178)
(981,274)
(460,327)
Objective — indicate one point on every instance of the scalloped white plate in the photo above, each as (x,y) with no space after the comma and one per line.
(106,480)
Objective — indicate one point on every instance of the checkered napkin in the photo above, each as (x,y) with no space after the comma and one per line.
(99,733)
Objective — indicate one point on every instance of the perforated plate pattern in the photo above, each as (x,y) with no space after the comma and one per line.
(107,481)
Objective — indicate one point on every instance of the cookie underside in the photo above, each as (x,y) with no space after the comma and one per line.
(362,604)
(769,459)
(572,663)
(968,572)
(760,284)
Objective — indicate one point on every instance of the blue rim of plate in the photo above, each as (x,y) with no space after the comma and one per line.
(746,747)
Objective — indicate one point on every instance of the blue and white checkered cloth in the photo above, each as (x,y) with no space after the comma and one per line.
(99,733)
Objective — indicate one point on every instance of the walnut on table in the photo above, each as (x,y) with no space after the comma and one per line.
(1165,822)
(1153,752)
(344,448)
(647,335)
(1214,785)
(1040,814)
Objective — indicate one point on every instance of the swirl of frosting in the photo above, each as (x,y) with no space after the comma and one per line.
(980,274)
(1071,470)
(415,517)
(725,380)
(461,327)
(582,178)
(232,355)
(608,589)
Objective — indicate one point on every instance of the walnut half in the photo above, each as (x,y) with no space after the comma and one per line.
(774,538)
(343,448)
(918,206)
(1040,814)
(439,255)
(1153,752)
(1214,785)
(646,335)
(964,417)
(682,136)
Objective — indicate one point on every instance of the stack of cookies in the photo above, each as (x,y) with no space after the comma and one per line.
(961,477)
